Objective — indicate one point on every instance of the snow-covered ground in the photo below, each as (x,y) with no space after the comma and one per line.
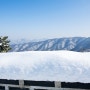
(46,65)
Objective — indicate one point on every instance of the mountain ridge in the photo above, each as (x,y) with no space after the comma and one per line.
(80,44)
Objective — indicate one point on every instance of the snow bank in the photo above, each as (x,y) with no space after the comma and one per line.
(46,65)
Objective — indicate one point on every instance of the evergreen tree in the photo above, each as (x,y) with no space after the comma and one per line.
(4,44)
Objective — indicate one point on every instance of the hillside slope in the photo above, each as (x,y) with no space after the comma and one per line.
(80,44)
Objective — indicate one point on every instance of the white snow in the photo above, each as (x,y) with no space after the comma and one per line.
(46,65)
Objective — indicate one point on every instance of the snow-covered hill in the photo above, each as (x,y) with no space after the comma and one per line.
(46,65)
(73,44)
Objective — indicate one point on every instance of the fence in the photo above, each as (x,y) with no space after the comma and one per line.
(41,85)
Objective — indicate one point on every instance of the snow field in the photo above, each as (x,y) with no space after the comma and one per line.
(66,66)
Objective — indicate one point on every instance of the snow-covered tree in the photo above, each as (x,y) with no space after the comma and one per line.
(4,44)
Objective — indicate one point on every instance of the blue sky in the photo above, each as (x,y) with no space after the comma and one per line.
(38,19)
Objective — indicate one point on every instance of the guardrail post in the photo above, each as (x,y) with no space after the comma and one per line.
(21,83)
(31,88)
(57,84)
(6,87)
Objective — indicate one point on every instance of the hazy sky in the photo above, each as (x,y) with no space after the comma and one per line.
(37,19)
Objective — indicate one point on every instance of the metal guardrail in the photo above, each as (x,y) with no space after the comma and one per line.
(25,85)
(18,87)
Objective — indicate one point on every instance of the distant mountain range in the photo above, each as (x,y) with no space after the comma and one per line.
(80,44)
